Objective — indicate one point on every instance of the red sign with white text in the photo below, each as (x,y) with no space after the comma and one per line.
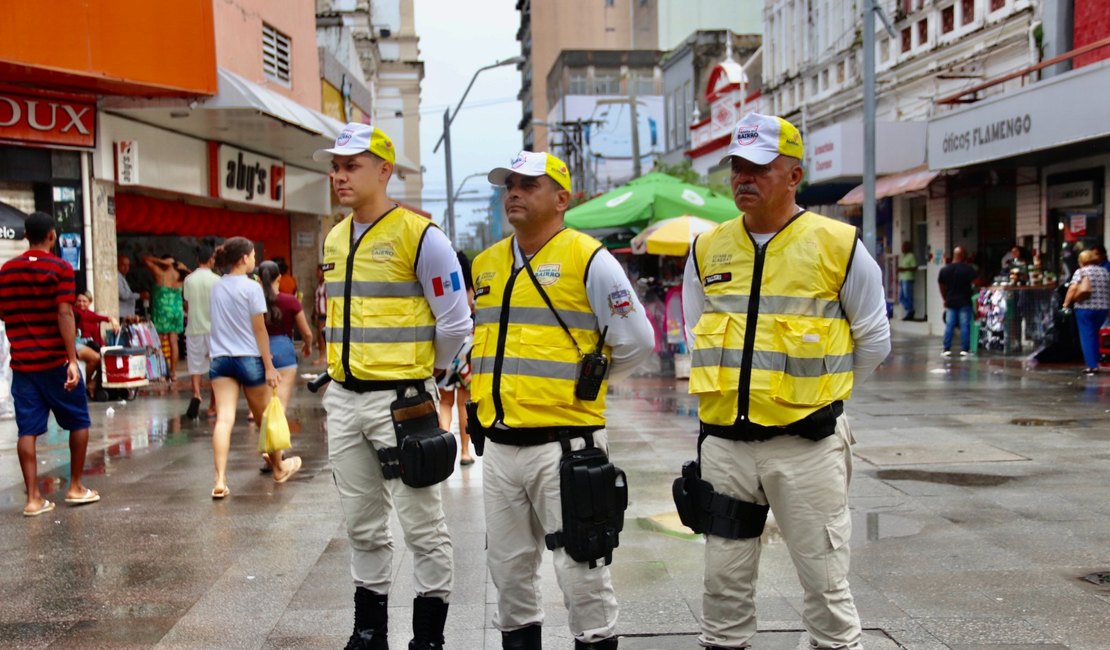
(46,120)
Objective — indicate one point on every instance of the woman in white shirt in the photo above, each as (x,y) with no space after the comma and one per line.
(240,350)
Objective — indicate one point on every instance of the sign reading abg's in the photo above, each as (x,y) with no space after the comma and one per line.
(248,177)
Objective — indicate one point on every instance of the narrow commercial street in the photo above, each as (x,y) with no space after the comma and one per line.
(978,498)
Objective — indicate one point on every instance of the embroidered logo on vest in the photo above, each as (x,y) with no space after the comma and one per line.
(548,274)
(717,277)
(382,251)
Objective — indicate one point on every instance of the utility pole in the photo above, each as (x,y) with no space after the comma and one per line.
(450,181)
(637,170)
(869,11)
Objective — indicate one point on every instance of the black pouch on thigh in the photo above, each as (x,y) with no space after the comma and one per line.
(425,454)
(705,511)
(594,495)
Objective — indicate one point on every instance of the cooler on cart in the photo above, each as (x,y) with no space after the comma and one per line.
(1104,346)
(123,367)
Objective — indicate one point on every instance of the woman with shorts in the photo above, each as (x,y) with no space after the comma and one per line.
(283,312)
(240,350)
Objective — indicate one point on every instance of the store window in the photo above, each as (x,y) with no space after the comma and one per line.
(1076,217)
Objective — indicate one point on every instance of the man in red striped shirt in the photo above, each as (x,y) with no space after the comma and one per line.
(36,304)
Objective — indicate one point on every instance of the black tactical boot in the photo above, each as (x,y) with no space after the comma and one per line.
(526,638)
(428,617)
(604,644)
(371,622)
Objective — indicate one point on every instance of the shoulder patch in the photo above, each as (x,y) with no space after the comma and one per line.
(620,303)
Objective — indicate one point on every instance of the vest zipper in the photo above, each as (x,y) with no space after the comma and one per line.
(499,359)
(743,400)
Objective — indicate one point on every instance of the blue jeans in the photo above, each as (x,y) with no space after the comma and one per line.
(963,314)
(905,294)
(1089,321)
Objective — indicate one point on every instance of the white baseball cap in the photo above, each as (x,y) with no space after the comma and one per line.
(762,138)
(528,163)
(356,138)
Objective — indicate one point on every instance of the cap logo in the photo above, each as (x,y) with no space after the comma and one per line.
(344,137)
(562,169)
(519,161)
(746,135)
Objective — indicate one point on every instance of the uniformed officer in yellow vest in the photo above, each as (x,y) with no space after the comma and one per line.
(396,314)
(553,309)
(787,314)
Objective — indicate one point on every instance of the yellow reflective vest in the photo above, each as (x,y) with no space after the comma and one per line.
(379,325)
(524,365)
(773,344)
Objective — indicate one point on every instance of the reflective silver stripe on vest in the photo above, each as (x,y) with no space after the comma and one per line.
(537,316)
(529,367)
(775,362)
(785,305)
(422,334)
(368,289)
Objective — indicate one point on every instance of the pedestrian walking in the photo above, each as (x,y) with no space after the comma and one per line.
(283,313)
(36,303)
(454,388)
(396,315)
(197,295)
(1089,293)
(240,350)
(556,320)
(787,313)
(167,311)
(907,271)
(955,281)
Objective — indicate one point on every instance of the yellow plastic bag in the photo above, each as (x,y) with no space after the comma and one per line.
(273,434)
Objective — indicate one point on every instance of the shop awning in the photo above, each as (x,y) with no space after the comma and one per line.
(912,180)
(247,115)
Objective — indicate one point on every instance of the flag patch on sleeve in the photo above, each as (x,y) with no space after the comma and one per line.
(446,284)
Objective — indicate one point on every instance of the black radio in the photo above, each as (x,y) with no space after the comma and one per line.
(592,372)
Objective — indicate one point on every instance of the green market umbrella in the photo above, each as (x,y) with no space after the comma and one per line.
(648,199)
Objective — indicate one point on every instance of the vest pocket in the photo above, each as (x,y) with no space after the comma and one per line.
(481,369)
(706,372)
(798,365)
(388,325)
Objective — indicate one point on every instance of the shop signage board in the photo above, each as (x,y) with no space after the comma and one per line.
(836,151)
(47,120)
(247,177)
(127,162)
(1072,195)
(1044,115)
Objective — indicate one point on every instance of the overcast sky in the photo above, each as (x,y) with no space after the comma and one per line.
(457,38)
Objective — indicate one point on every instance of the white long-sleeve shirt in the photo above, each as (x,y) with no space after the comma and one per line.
(616,306)
(861,298)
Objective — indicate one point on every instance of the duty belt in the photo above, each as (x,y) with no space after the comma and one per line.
(815,426)
(536,436)
(371,385)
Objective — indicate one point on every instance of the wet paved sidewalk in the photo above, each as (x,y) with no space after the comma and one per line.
(979,502)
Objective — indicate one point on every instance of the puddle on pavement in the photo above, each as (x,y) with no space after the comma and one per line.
(945,478)
(1041,422)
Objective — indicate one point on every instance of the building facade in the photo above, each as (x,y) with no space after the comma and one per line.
(547,27)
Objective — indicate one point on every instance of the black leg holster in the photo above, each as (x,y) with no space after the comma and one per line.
(704,510)
(594,496)
(474,428)
(425,454)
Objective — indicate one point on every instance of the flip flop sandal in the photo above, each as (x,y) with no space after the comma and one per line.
(221,493)
(296,467)
(47,506)
(90,496)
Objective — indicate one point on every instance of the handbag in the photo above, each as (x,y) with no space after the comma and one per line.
(273,434)
(1083,289)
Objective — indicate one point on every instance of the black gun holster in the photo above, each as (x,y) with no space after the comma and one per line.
(474,428)
(706,511)
(425,454)
(594,495)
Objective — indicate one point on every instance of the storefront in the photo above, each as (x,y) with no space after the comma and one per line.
(44,140)
(1026,167)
